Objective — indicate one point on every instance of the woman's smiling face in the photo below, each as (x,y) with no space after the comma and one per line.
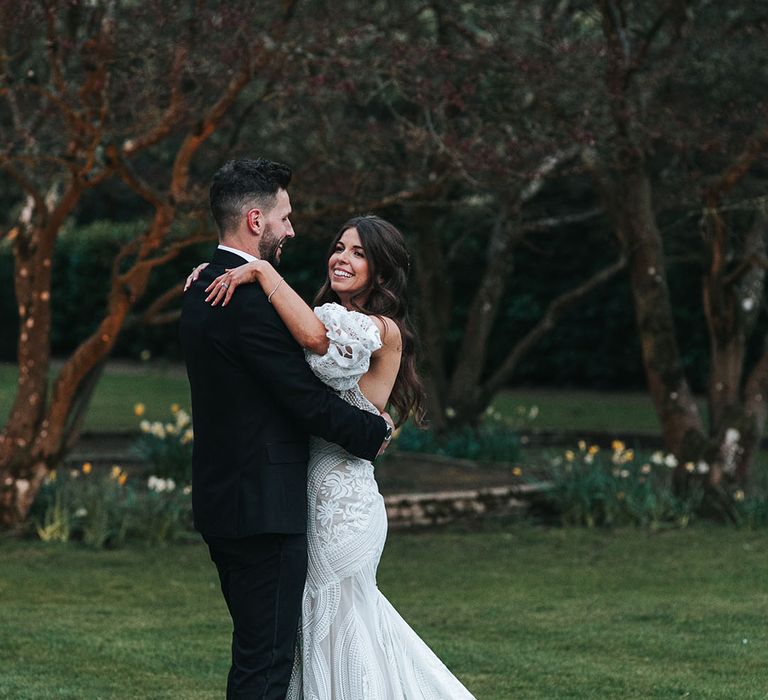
(348,269)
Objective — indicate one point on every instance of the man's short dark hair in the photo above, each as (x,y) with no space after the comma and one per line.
(242,181)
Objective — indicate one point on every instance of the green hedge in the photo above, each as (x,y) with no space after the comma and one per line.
(595,345)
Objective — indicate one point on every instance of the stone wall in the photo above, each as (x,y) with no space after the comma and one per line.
(429,509)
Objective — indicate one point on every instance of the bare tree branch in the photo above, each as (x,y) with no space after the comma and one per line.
(554,312)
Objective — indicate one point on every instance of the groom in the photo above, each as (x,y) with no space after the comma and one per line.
(254,404)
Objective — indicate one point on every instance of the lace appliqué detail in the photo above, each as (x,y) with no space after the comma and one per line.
(353,339)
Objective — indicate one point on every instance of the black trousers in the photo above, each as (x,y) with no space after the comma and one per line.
(262,579)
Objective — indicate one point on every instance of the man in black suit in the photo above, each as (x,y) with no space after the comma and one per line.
(254,404)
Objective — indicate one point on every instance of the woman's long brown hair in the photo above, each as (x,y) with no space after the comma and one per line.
(386,295)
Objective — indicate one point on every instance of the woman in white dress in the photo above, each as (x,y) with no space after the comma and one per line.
(353,643)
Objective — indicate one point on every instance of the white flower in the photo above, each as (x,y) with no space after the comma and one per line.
(657,458)
(450,412)
(670,461)
(187,490)
(533,412)
(145,426)
(182,418)
(158,485)
(170,428)
(158,430)
(732,436)
(81,513)
(588,458)
(170,484)
(624,473)
(187,437)
(646,469)
(702,467)
(748,303)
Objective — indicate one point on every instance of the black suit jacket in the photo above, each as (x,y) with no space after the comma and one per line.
(254,404)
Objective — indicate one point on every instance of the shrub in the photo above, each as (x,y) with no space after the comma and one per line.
(594,487)
(167,447)
(105,509)
(494,440)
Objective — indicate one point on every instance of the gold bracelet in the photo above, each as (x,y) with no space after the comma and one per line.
(272,293)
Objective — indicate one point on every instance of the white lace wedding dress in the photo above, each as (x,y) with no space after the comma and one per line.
(353,645)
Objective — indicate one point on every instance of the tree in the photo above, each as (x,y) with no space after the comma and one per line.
(426,115)
(92,92)
(680,112)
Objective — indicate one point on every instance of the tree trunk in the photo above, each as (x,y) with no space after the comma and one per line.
(635,222)
(435,306)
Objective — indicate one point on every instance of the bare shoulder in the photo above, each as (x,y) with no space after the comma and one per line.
(390,332)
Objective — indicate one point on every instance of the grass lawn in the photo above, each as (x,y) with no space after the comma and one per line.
(158,386)
(516,613)
(585,410)
(121,387)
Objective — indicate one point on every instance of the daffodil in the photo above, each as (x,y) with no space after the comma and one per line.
(582,445)
(139,409)
(175,408)
(116,471)
(87,468)
(618,446)
(517,471)
(122,479)
(569,456)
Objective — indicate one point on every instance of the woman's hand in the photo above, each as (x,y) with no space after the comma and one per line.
(194,275)
(223,287)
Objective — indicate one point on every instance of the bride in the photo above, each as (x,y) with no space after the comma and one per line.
(352,643)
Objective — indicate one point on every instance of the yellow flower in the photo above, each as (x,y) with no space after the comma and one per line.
(87,468)
(116,472)
(569,455)
(582,445)
(52,475)
(517,471)
(738,495)
(689,466)
(618,446)
(122,479)
(175,408)
(646,469)
(593,450)
(629,455)
(138,410)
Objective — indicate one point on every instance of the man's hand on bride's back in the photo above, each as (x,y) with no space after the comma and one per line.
(387,440)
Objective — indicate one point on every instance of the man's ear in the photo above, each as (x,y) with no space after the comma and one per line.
(255,220)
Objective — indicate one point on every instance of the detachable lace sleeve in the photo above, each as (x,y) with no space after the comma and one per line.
(353,339)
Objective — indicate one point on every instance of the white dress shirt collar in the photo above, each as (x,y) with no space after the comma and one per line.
(246,256)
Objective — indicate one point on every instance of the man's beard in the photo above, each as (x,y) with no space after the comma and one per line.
(269,247)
